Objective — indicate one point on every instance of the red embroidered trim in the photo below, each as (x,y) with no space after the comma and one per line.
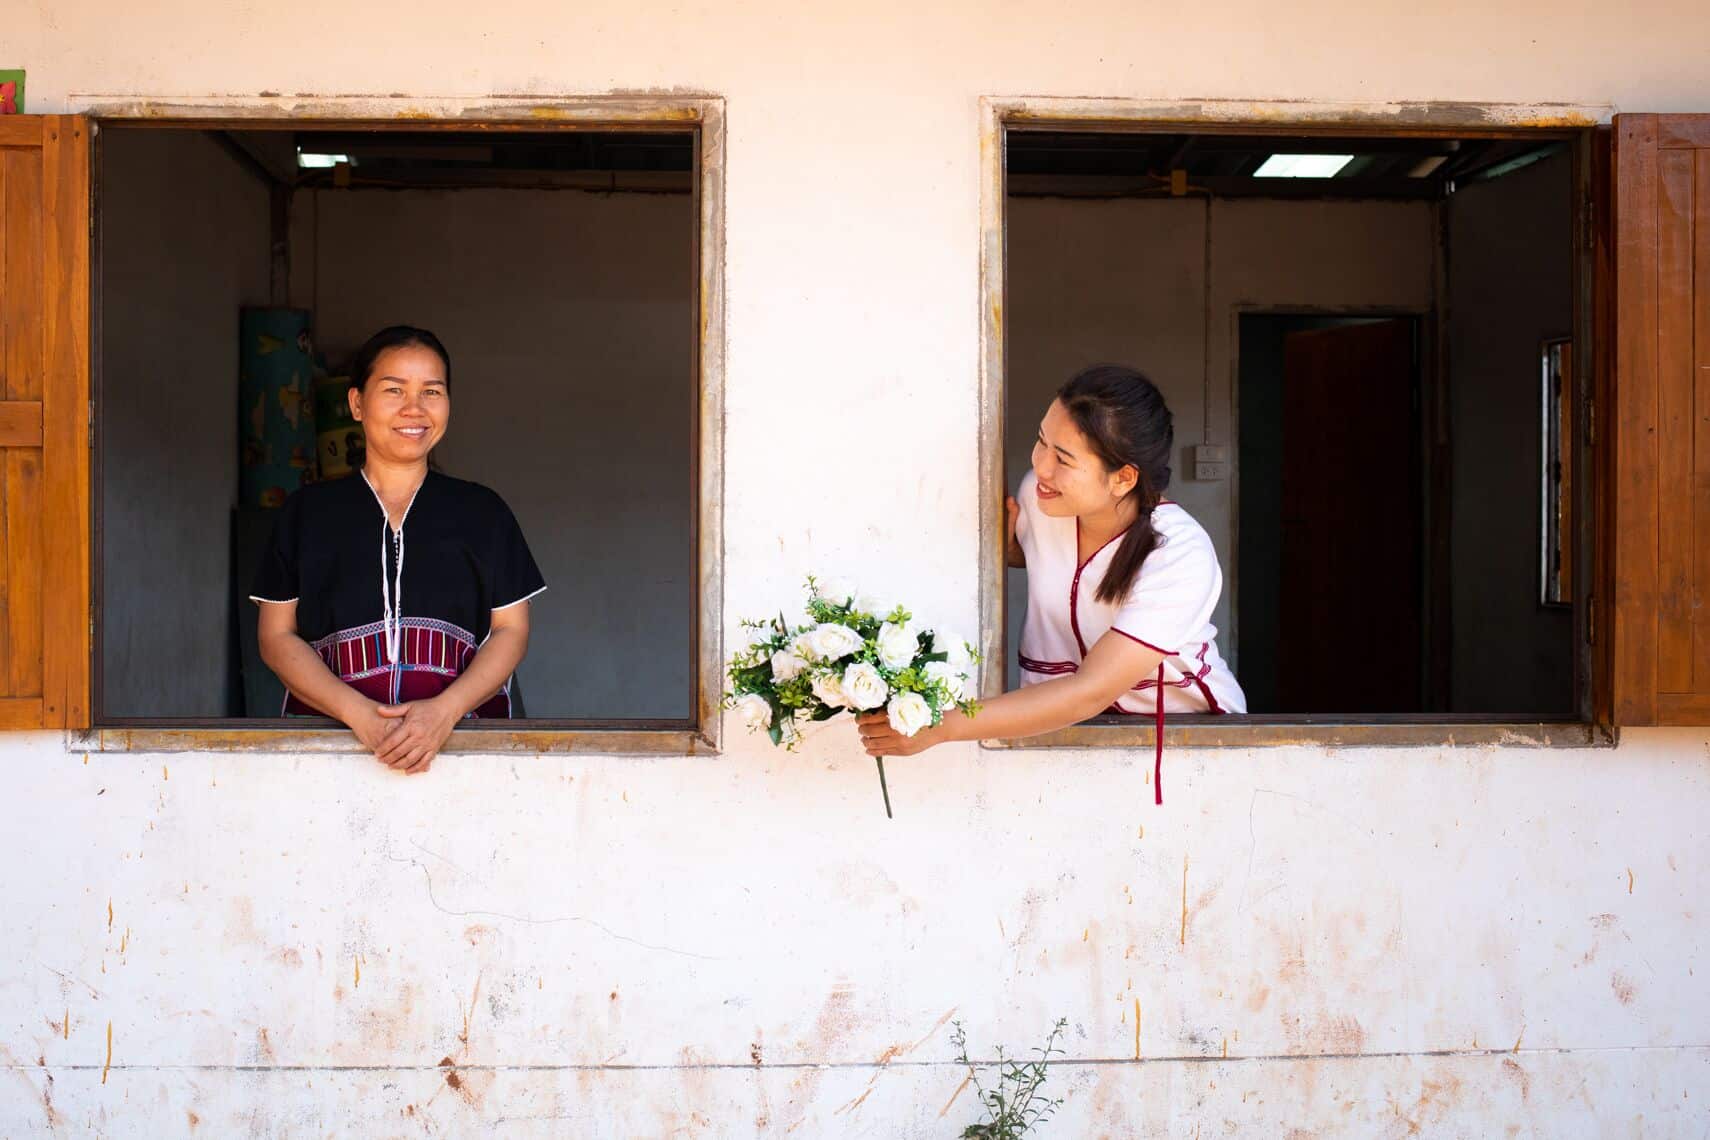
(1147,644)
(1187,678)
(1075,586)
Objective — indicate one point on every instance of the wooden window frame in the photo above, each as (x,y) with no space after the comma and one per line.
(1590,724)
(703,116)
(46,312)
(1654,258)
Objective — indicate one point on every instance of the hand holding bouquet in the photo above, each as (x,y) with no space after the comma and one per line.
(856,654)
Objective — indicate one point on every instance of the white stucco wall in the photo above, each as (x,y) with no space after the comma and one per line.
(1435,941)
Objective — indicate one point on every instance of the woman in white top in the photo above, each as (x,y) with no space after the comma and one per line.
(1121,582)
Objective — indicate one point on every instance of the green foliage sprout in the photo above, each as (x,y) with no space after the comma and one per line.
(1013,1106)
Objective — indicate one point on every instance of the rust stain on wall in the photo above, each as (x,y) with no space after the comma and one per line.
(1514,1069)
(966,1081)
(1183,939)
(469,1010)
(1436,1099)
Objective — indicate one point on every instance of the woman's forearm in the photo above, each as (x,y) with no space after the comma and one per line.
(1039,708)
(493,665)
(307,677)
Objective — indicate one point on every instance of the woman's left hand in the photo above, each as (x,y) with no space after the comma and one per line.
(880,739)
(424,728)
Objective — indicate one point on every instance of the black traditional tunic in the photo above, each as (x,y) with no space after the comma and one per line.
(398,615)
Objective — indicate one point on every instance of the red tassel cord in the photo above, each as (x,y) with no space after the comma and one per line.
(1158,761)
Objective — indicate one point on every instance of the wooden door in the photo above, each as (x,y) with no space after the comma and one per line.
(44,422)
(1350,626)
(1660,540)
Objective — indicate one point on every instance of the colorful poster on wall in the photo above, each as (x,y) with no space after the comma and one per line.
(11,91)
(341,445)
(276,405)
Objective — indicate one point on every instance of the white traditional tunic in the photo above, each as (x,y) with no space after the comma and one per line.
(1168,608)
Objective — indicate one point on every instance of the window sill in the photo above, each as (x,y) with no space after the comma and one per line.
(1320,731)
(297,737)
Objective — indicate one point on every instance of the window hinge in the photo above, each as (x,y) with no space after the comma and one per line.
(1591,619)
(91,425)
(1591,423)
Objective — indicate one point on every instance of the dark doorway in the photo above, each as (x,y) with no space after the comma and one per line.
(1330,546)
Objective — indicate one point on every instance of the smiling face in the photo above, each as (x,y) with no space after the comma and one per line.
(405,404)
(1073,480)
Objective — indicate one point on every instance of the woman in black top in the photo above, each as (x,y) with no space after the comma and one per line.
(396,600)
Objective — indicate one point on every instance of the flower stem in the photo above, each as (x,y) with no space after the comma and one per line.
(884,787)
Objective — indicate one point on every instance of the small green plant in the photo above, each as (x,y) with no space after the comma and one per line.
(1014,1105)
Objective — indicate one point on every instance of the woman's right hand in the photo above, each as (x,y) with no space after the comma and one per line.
(371,728)
(1012,548)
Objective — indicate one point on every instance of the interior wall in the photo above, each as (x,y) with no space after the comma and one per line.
(1510,284)
(184,245)
(569,321)
(1091,280)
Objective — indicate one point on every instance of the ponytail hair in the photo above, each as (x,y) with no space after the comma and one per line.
(1124,418)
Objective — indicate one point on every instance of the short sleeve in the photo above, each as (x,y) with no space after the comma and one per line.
(1172,599)
(511,571)
(1027,502)
(276,580)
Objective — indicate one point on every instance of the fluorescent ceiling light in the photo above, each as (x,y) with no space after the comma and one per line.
(1302,165)
(307,160)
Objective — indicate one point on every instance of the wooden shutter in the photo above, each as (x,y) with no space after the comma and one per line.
(44,421)
(1660,659)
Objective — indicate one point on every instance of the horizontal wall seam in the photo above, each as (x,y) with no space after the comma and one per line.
(739,1066)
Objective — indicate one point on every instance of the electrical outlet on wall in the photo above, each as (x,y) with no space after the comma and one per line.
(1211,462)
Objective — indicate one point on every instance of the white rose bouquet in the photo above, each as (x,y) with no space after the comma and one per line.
(855,654)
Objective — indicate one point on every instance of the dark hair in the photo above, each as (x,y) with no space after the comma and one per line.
(1124,418)
(397,336)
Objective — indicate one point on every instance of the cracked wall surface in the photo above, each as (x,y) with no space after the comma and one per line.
(1351,942)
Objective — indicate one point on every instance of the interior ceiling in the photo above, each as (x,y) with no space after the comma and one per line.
(1224,165)
(1039,162)
(389,158)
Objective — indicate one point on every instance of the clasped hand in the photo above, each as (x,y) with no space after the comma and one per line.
(408,736)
